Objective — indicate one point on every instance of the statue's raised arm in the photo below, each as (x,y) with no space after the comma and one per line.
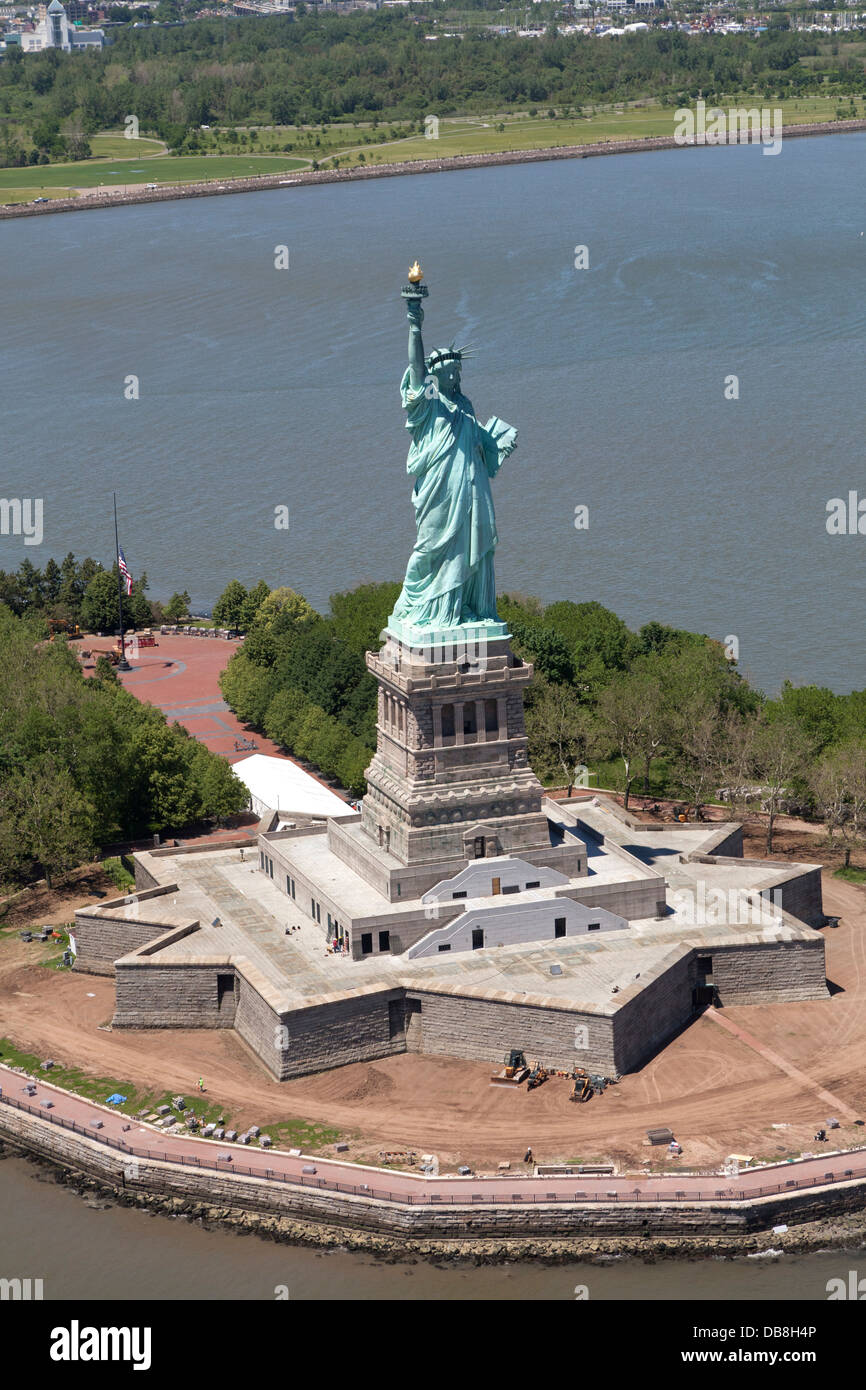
(449,580)
(415,314)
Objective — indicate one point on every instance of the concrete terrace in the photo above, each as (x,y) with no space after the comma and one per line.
(598,974)
(695,859)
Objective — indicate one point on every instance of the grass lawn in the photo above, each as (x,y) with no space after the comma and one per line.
(113,146)
(293,1134)
(72,1079)
(29,192)
(99,1088)
(480,136)
(50,179)
(300,1134)
(123,161)
(119,874)
(852,874)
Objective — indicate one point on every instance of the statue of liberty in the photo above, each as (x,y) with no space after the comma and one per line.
(449,579)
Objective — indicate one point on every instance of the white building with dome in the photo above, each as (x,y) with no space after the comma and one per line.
(55,31)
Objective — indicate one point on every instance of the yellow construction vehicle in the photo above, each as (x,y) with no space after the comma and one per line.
(583,1088)
(537,1076)
(514,1072)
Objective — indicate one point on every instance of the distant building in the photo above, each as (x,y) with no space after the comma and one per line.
(253,7)
(55,31)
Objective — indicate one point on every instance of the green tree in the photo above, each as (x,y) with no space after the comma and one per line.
(286,607)
(52,819)
(545,648)
(627,709)
(828,780)
(251,605)
(51,583)
(311,733)
(247,688)
(99,605)
(779,752)
(110,762)
(164,794)
(140,609)
(219,792)
(177,607)
(280,618)
(817,710)
(562,732)
(323,667)
(598,641)
(229,607)
(359,615)
(353,765)
(285,715)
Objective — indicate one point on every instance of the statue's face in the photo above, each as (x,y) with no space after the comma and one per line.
(447,376)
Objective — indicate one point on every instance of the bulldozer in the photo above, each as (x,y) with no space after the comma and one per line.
(537,1076)
(587,1085)
(62,627)
(514,1062)
(583,1088)
(514,1072)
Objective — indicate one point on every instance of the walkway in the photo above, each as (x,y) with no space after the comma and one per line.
(180,676)
(146,1142)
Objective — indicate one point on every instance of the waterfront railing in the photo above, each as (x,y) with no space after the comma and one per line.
(622,1196)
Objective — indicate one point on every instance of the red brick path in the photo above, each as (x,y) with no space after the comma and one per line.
(180,676)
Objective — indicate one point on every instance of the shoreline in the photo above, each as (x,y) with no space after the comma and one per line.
(448,164)
(329,1214)
(845,1232)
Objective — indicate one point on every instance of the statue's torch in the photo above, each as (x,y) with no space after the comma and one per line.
(415,291)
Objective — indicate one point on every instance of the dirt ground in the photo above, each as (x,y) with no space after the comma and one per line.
(56,906)
(718,1094)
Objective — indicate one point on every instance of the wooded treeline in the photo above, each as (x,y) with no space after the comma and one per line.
(662,708)
(379,66)
(84,763)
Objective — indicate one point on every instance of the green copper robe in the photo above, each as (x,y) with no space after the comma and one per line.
(449,578)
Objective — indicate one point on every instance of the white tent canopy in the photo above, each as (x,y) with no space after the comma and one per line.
(276,784)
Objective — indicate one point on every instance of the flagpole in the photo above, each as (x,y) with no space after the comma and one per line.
(123,664)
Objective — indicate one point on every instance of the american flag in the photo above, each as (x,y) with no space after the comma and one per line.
(124,570)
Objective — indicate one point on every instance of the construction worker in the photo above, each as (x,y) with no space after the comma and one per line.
(201,1083)
(527,1157)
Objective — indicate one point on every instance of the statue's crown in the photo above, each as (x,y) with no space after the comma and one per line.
(438,357)
(453,354)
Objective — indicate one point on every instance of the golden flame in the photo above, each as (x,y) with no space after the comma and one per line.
(415,274)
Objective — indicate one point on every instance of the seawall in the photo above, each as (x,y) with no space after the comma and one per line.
(264,182)
(202,1190)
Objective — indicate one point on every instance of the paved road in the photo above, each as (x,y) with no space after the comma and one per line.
(147,1142)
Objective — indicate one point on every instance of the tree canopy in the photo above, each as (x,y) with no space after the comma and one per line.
(83,762)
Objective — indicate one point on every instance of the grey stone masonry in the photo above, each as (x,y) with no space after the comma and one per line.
(112,929)
(450,778)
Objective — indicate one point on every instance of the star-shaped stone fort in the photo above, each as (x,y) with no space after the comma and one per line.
(461,911)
